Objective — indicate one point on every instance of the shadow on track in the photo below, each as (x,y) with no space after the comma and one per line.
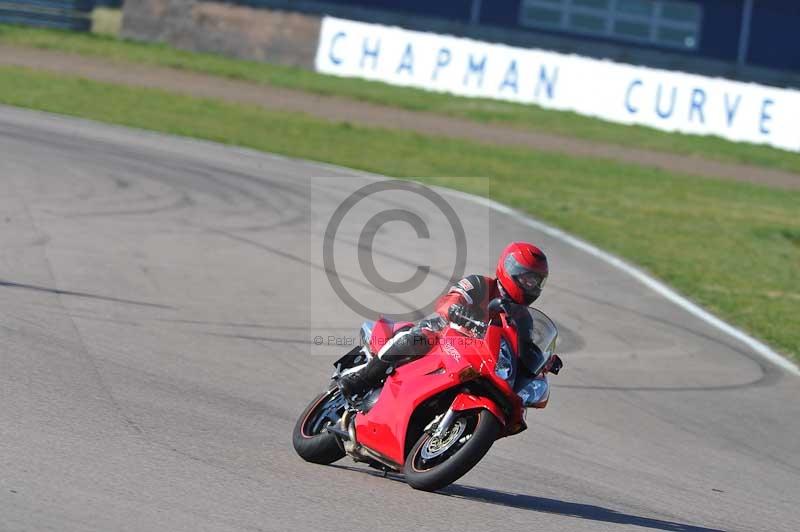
(531,503)
(567,509)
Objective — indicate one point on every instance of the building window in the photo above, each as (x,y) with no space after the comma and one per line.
(668,23)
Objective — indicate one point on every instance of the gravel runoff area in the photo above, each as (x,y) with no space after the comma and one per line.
(341,109)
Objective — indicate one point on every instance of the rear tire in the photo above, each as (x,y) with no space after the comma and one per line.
(481,430)
(311,442)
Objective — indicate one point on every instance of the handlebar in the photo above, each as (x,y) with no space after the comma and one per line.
(470,324)
(495,308)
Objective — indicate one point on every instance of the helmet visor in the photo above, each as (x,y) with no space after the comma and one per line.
(529,281)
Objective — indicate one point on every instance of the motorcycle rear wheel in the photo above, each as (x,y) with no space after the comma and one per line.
(310,439)
(429,468)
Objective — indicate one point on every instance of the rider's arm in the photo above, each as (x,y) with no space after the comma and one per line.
(448,300)
(468,292)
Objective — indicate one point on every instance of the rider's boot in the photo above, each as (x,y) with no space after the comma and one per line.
(366,378)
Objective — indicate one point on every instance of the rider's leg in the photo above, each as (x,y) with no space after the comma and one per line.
(406,346)
(403,347)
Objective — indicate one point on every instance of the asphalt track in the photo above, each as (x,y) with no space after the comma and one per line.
(158,303)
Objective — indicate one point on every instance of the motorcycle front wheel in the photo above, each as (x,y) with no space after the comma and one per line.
(310,439)
(434,463)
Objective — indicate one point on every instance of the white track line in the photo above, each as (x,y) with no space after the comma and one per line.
(650,282)
(657,286)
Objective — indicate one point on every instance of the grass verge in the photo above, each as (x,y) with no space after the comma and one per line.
(486,111)
(734,247)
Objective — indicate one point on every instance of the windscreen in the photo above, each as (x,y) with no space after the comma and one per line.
(537,334)
(543,333)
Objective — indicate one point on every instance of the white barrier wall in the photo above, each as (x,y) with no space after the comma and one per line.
(672,101)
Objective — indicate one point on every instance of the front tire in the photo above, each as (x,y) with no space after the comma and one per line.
(430,466)
(310,439)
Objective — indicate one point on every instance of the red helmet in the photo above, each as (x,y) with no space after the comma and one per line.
(522,272)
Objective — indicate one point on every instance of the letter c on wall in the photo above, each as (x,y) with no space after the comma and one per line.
(631,109)
(335,60)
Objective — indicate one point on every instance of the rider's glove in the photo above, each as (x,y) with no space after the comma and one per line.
(458,314)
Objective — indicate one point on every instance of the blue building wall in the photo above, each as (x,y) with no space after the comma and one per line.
(500,12)
(719,38)
(456,10)
(772,37)
(720,33)
(773,34)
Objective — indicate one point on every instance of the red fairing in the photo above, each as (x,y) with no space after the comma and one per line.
(455,358)
(383,429)
(464,401)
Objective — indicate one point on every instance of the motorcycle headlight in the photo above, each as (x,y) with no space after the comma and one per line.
(505,363)
(535,392)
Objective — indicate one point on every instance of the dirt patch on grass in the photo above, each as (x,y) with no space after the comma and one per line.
(366,114)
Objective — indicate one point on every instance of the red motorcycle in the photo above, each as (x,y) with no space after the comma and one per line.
(435,417)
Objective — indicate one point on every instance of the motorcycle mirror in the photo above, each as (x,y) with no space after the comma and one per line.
(556,365)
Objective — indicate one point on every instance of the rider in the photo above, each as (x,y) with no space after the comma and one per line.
(521,275)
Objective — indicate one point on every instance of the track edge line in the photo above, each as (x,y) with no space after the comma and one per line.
(646,279)
(758,347)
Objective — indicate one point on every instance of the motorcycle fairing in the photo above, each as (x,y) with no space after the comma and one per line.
(468,401)
(383,428)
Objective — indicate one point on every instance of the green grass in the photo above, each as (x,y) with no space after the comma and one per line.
(733,247)
(488,111)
